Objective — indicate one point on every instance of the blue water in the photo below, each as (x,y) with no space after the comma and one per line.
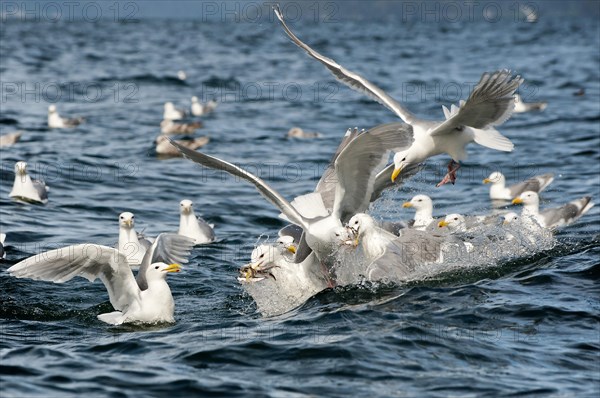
(527,326)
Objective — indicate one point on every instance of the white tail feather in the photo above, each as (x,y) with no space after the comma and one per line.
(491,138)
(310,205)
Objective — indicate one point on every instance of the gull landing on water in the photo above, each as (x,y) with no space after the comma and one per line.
(27,190)
(490,104)
(57,122)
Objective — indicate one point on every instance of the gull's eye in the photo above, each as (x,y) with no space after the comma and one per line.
(121,217)
(337,234)
(356,222)
(181,204)
(132,217)
(455,218)
(420,200)
(262,255)
(403,159)
(156,267)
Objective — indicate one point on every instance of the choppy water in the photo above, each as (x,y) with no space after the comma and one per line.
(528,326)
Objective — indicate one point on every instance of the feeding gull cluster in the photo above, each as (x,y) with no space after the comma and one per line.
(331,239)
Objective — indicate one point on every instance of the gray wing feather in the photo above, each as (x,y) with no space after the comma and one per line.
(265,190)
(88,261)
(167,248)
(383,180)
(292,230)
(40,187)
(535,184)
(349,78)
(206,229)
(568,213)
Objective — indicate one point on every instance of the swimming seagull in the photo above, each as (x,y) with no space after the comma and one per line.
(10,139)
(490,104)
(145,300)
(194,227)
(199,109)
(129,244)
(297,132)
(355,167)
(555,217)
(27,190)
(499,190)
(164,147)
(57,122)
(522,107)
(168,126)
(424,211)
(172,113)
(181,75)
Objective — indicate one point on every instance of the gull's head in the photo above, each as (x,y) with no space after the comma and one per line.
(343,236)
(401,160)
(454,223)
(262,260)
(181,75)
(495,178)
(21,168)
(169,106)
(527,198)
(186,206)
(195,99)
(52,109)
(159,270)
(287,246)
(510,218)
(358,225)
(419,202)
(126,220)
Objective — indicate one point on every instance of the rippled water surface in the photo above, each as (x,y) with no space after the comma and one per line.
(530,325)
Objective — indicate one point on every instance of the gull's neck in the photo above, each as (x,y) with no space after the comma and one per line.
(423,216)
(188,223)
(127,235)
(23,186)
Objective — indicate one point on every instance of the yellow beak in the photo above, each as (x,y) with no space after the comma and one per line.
(442,223)
(487,181)
(396,172)
(129,223)
(406,204)
(291,249)
(173,268)
(517,201)
(505,222)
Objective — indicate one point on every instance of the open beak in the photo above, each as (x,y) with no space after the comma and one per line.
(406,204)
(517,201)
(173,268)
(396,172)
(487,181)
(442,223)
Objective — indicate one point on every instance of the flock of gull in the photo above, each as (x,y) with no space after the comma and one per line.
(331,239)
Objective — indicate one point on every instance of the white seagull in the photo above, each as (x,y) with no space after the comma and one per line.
(424,211)
(27,190)
(490,104)
(145,300)
(57,122)
(555,217)
(199,109)
(171,113)
(194,227)
(129,244)
(499,190)
(522,107)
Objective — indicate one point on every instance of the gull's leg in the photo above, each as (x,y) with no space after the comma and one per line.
(451,175)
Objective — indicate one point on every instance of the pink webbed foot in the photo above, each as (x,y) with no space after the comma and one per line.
(451,175)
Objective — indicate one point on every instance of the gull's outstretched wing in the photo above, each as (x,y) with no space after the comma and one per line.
(536,184)
(383,180)
(358,163)
(328,182)
(89,261)
(490,104)
(167,248)
(349,78)
(265,190)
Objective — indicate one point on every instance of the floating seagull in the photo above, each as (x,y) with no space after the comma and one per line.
(129,243)
(194,227)
(297,132)
(499,190)
(522,107)
(356,167)
(168,126)
(27,190)
(555,217)
(164,147)
(181,75)
(145,300)
(57,122)
(10,139)
(454,223)
(424,211)
(199,109)
(2,251)
(171,113)
(490,104)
